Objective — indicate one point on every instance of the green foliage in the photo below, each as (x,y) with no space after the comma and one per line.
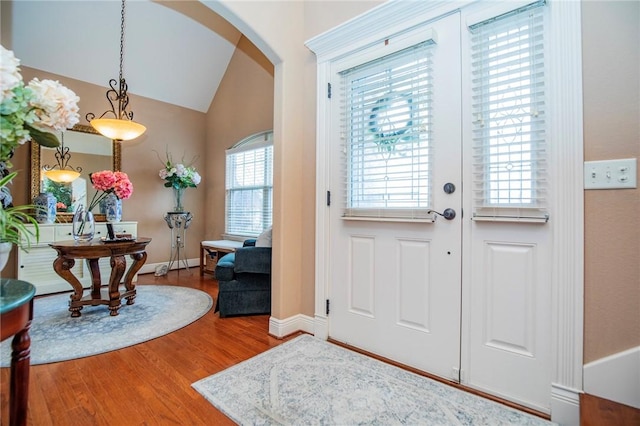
(14,112)
(13,221)
(43,138)
(62,191)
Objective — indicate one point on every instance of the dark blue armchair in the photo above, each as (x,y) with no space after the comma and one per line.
(244,280)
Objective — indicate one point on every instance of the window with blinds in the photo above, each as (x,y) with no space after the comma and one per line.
(249,185)
(509,145)
(386,127)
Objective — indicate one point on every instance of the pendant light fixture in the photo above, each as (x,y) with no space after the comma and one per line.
(62,172)
(121,127)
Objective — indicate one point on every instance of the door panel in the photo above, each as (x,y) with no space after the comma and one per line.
(510,300)
(395,286)
(361,286)
(507,317)
(413,301)
(506,306)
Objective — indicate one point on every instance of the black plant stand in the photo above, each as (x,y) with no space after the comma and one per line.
(178,222)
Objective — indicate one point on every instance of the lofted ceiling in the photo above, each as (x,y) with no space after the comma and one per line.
(175,51)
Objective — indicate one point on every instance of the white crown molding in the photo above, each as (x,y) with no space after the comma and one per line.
(387,19)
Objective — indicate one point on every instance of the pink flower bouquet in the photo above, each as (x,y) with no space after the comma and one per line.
(108,182)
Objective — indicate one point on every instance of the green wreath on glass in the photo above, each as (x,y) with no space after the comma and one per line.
(386,139)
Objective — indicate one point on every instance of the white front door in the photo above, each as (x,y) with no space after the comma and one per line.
(395,286)
(465,298)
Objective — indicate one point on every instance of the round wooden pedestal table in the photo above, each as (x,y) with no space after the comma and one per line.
(16,313)
(92,251)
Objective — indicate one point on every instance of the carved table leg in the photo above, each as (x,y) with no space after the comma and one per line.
(96,279)
(118,264)
(63,267)
(138,261)
(19,386)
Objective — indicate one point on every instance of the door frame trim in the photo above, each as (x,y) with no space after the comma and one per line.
(565,128)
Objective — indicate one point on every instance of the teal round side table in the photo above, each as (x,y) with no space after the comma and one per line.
(16,313)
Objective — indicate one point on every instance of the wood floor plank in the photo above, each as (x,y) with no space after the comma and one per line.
(37,400)
(149,383)
(81,401)
(595,411)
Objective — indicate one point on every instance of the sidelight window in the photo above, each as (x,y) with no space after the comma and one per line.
(509,114)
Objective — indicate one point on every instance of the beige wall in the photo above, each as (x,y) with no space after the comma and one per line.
(243,105)
(276,29)
(318,18)
(611,80)
(180,129)
(612,271)
(279,29)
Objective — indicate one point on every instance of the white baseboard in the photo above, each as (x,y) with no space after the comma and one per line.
(150,268)
(565,405)
(616,377)
(284,327)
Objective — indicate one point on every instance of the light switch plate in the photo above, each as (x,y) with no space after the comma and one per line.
(610,174)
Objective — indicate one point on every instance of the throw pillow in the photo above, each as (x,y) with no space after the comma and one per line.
(264,239)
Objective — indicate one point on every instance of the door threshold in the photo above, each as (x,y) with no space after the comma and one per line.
(445,381)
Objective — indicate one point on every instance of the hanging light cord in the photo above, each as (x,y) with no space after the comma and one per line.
(121,42)
(119,93)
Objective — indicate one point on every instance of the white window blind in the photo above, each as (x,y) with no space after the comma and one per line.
(249,185)
(509,145)
(386,128)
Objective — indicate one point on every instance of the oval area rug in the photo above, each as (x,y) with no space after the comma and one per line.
(158,310)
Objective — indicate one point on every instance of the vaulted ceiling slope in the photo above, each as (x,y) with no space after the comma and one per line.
(168,56)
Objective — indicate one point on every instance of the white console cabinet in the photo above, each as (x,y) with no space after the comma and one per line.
(36,265)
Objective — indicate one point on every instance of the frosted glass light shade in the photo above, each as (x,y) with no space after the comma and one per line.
(121,130)
(61,176)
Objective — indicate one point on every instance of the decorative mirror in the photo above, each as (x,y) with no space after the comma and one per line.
(88,152)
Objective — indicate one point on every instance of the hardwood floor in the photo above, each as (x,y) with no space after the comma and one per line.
(596,411)
(149,383)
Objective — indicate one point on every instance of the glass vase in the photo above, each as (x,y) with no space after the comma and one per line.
(84,226)
(177,199)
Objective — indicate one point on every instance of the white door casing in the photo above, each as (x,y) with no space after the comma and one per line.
(562,245)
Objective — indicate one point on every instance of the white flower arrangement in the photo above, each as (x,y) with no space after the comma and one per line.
(27,112)
(32,111)
(179,175)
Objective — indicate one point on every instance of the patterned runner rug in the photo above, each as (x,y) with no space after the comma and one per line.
(308,381)
(158,310)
